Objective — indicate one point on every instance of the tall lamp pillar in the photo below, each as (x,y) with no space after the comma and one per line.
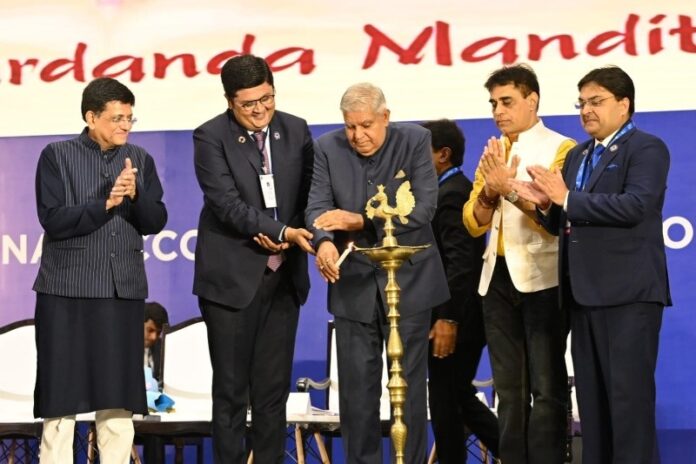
(390,256)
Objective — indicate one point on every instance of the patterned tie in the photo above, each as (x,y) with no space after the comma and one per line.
(592,163)
(274,261)
(260,137)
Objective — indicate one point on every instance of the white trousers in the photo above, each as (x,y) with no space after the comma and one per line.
(114,437)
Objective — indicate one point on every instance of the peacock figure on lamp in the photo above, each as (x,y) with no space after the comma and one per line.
(390,256)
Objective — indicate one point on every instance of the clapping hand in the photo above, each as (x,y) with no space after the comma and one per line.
(125,186)
(495,170)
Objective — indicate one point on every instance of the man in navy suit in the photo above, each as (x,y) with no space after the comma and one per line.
(253,164)
(606,206)
(349,165)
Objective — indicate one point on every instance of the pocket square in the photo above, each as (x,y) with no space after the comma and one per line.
(611,167)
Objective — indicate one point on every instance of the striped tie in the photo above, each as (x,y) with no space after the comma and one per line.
(274,261)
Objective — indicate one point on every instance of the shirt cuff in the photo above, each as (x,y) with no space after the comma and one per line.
(368,225)
(281,235)
(565,202)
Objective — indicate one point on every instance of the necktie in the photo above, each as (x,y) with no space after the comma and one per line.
(591,163)
(274,261)
(260,137)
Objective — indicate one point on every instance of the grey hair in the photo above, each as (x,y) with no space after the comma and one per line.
(363,95)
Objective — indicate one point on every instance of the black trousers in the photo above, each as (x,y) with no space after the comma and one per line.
(614,355)
(454,407)
(251,350)
(526,334)
(359,351)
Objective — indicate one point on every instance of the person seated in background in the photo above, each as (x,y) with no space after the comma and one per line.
(155,318)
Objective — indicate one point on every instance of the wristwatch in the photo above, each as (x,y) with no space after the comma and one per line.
(512,196)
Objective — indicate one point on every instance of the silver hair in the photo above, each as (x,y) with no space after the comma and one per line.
(361,96)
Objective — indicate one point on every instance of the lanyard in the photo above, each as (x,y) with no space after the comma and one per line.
(447,174)
(585,170)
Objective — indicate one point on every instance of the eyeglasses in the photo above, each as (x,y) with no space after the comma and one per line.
(592,103)
(118,120)
(266,101)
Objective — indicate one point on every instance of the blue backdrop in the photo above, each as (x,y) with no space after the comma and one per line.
(170,266)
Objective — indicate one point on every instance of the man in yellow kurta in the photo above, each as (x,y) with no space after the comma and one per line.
(525,328)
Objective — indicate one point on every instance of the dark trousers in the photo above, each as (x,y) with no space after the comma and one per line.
(251,350)
(454,409)
(614,355)
(359,352)
(526,334)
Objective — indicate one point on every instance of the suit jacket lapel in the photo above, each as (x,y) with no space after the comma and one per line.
(244,144)
(574,164)
(609,154)
(277,138)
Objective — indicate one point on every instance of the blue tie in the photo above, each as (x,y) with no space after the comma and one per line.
(591,163)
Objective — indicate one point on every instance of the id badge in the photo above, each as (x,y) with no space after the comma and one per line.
(268,189)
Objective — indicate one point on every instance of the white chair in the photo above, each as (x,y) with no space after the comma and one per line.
(187,374)
(17,423)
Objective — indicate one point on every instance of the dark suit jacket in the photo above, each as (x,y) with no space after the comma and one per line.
(345,180)
(229,264)
(615,251)
(460,252)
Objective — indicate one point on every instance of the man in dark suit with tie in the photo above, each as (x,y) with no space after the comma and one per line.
(349,165)
(606,205)
(457,335)
(254,165)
